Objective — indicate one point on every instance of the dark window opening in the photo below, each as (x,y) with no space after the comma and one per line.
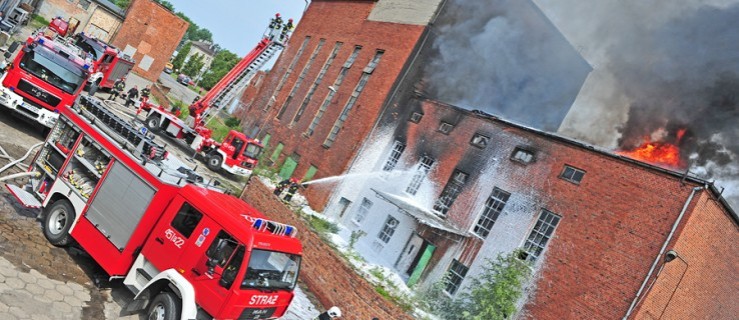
(572,174)
(186,220)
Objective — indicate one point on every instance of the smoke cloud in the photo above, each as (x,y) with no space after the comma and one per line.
(504,57)
(657,66)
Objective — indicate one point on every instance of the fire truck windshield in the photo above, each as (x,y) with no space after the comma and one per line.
(96,49)
(271,270)
(252,150)
(53,69)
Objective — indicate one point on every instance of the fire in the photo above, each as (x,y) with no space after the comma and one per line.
(658,152)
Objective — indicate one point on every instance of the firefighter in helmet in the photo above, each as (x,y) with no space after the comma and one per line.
(288,27)
(294,185)
(276,22)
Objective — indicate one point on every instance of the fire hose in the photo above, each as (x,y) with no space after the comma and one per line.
(14,162)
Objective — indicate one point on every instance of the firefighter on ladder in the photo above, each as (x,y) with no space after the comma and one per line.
(274,26)
(288,27)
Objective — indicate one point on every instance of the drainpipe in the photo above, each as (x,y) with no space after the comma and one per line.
(661,251)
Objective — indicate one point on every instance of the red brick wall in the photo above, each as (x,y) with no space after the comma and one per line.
(343,21)
(701,283)
(328,277)
(613,223)
(154,31)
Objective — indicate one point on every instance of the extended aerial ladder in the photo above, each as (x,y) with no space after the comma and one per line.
(237,158)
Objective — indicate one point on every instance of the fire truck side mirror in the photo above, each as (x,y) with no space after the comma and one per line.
(7,54)
(27,48)
(13,46)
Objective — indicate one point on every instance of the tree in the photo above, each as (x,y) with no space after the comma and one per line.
(222,63)
(492,295)
(166,4)
(179,60)
(194,65)
(123,4)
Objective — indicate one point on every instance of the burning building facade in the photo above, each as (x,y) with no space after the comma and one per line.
(454,187)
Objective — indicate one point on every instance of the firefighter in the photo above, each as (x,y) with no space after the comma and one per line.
(281,186)
(285,29)
(276,22)
(132,94)
(294,185)
(118,87)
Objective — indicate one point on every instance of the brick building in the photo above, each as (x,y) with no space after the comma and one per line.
(339,75)
(100,18)
(324,92)
(449,188)
(150,34)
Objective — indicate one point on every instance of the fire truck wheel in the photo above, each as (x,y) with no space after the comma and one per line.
(58,220)
(214,162)
(165,306)
(152,123)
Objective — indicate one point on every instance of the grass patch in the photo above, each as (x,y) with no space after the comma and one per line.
(322,226)
(38,20)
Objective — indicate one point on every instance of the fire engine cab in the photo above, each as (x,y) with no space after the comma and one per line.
(45,77)
(111,62)
(186,249)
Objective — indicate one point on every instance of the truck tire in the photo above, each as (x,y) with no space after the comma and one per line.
(152,123)
(57,221)
(214,162)
(165,306)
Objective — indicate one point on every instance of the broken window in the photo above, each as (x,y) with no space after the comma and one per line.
(445,127)
(363,210)
(522,155)
(540,235)
(388,229)
(480,141)
(455,275)
(421,171)
(493,206)
(398,148)
(416,117)
(452,189)
(572,174)
(292,66)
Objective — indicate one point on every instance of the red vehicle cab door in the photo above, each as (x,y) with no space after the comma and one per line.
(176,232)
(215,272)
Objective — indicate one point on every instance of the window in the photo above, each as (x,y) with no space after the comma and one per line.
(186,220)
(85,4)
(373,64)
(493,206)
(398,148)
(445,127)
(332,91)
(480,141)
(388,229)
(572,174)
(300,79)
(317,82)
(416,117)
(292,66)
(540,235)
(455,275)
(363,210)
(452,189)
(522,155)
(421,172)
(350,103)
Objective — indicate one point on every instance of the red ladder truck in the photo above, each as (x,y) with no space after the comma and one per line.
(185,249)
(237,154)
(111,62)
(44,78)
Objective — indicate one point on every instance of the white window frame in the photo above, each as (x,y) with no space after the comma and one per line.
(362,211)
(541,233)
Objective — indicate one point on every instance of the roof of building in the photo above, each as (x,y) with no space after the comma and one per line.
(112,8)
(686,176)
(205,47)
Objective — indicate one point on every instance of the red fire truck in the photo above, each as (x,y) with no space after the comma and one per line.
(107,59)
(186,250)
(237,154)
(44,78)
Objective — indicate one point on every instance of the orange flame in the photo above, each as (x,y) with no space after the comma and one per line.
(659,153)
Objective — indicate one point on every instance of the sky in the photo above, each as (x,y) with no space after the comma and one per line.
(238,25)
